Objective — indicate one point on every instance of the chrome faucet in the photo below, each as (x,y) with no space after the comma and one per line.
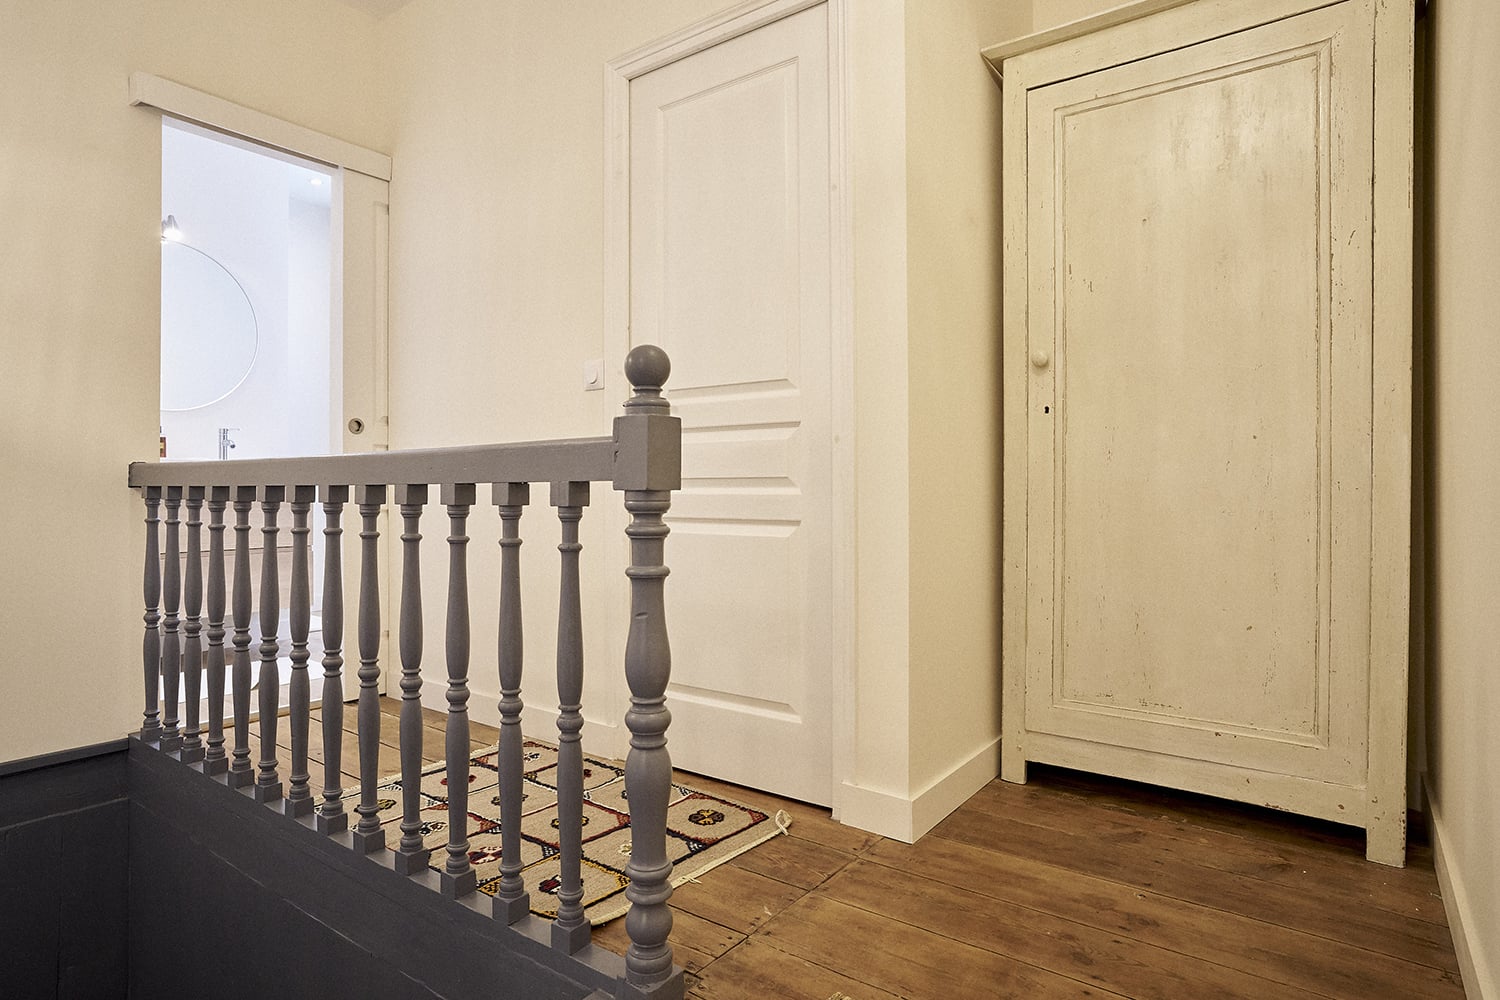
(225,442)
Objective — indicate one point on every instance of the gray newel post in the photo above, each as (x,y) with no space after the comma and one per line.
(151,641)
(648,467)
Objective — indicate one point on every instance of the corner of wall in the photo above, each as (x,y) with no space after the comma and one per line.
(1479,978)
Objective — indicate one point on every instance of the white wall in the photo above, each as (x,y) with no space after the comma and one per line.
(1462,438)
(309,288)
(497,295)
(953,209)
(80,176)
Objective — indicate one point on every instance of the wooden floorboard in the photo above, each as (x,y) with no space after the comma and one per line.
(1070,886)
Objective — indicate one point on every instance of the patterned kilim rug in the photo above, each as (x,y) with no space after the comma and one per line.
(703,830)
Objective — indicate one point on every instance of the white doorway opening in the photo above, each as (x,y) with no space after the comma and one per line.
(247,338)
(341,373)
(247,297)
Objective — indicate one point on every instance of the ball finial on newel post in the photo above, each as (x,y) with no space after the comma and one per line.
(647,368)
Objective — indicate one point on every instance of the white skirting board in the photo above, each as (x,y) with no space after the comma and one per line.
(907,819)
(1473,964)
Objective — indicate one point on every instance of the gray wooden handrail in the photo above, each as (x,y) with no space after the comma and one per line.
(592,459)
(642,459)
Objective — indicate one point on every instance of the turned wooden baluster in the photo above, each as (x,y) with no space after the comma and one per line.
(299,799)
(214,760)
(511,901)
(192,642)
(369,835)
(151,641)
(648,667)
(267,784)
(570,931)
(171,639)
(331,815)
(458,877)
(411,856)
(240,773)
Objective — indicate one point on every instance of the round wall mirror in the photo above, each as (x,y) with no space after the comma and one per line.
(208,330)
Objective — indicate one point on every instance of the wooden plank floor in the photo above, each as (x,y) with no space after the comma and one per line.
(1070,886)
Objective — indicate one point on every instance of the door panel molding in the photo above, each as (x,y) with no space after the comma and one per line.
(1341,754)
(707,499)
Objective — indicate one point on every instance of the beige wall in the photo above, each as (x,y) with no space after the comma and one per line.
(1050,13)
(953,235)
(80,192)
(1462,307)
(497,292)
(498,236)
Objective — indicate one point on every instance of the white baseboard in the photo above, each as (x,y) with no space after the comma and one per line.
(907,818)
(1473,965)
(937,800)
(875,811)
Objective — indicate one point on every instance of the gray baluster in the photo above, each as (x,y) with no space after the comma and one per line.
(299,799)
(214,760)
(511,901)
(458,877)
(267,783)
(151,641)
(171,639)
(648,667)
(192,642)
(240,773)
(331,815)
(411,856)
(369,835)
(570,932)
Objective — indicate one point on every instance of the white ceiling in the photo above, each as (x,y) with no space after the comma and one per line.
(379,8)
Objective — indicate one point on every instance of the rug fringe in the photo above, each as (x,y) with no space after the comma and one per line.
(783,821)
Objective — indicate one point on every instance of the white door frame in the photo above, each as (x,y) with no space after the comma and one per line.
(618,73)
(360,204)
(239,122)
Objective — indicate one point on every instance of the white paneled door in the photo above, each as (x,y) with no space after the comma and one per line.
(730,273)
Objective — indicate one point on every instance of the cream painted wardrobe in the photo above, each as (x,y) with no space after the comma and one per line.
(1208,401)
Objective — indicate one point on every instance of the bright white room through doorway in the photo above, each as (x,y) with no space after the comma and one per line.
(248,298)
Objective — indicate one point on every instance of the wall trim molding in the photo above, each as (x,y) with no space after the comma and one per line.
(65,756)
(933,804)
(908,819)
(1473,965)
(200,108)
